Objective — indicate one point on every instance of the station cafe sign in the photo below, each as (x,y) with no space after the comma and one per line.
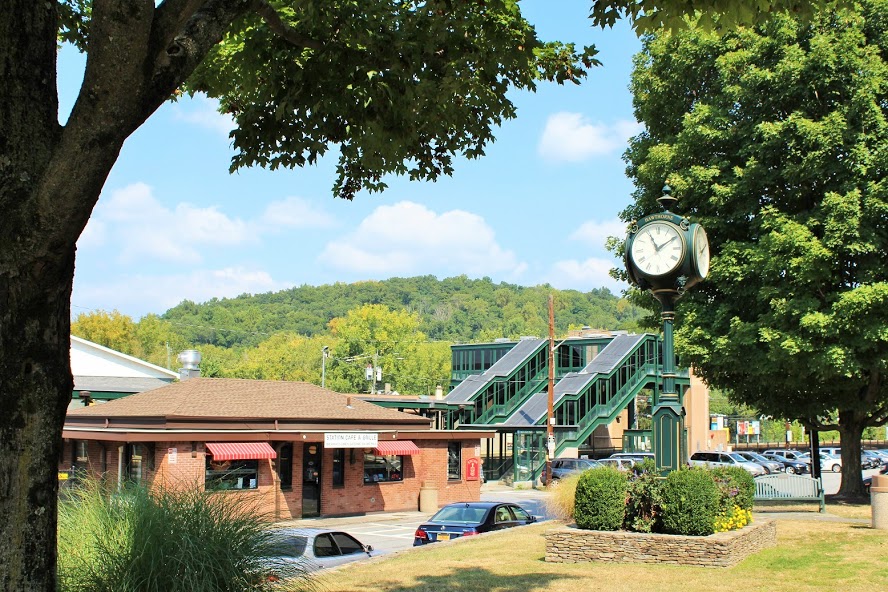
(351,439)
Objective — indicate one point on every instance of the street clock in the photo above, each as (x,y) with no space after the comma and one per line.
(666,252)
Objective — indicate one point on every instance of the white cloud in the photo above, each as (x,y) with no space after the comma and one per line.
(135,225)
(409,238)
(140,226)
(203,112)
(571,137)
(295,212)
(584,275)
(595,233)
(140,294)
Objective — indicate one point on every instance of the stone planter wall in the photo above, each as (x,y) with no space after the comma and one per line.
(722,549)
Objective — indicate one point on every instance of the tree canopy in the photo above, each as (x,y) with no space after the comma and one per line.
(775,139)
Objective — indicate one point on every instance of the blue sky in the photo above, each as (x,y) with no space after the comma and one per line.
(173,224)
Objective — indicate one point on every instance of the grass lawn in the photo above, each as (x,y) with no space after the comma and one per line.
(810,555)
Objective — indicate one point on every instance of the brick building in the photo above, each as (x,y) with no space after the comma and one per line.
(300,449)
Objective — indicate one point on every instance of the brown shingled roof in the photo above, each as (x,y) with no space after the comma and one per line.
(231,398)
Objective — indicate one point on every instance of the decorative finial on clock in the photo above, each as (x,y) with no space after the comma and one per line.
(667,200)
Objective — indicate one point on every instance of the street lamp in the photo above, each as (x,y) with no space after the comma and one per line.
(325,351)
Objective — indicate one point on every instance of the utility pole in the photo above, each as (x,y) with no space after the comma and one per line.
(325,351)
(550,416)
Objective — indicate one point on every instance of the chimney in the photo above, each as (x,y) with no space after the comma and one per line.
(190,360)
(439,392)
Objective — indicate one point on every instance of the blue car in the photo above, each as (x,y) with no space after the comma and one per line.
(470,518)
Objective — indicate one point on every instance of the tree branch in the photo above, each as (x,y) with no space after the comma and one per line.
(282,29)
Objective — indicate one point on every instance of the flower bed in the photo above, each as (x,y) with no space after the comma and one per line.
(722,549)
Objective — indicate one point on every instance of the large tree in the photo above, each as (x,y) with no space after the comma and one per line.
(399,86)
(776,140)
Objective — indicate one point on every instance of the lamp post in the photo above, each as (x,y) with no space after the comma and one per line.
(325,351)
(667,254)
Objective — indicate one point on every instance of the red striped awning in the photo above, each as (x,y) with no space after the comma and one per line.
(397,448)
(241,450)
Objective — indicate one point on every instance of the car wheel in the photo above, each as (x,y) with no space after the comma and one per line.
(837,468)
(789,470)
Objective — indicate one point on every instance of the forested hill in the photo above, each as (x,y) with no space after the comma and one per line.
(454,309)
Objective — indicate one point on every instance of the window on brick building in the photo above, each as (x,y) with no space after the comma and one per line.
(454,461)
(138,460)
(285,466)
(339,466)
(380,469)
(231,474)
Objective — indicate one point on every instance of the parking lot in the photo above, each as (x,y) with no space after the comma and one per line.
(394,531)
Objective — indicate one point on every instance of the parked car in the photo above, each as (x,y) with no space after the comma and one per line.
(789,465)
(868,481)
(874,460)
(623,464)
(771,466)
(564,467)
(637,456)
(317,548)
(468,519)
(789,453)
(828,462)
(726,459)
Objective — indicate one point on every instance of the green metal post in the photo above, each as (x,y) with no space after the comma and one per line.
(668,415)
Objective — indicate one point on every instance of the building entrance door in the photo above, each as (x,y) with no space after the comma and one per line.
(311,480)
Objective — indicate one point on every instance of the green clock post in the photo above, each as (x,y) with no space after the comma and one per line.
(667,254)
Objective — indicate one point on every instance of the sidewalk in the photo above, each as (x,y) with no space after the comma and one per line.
(338,522)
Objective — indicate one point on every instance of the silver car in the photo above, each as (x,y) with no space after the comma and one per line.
(726,459)
(316,548)
(771,466)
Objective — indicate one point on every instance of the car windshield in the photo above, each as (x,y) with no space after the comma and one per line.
(758,457)
(467,514)
(737,457)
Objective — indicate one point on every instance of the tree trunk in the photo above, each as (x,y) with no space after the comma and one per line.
(35,388)
(851,426)
(50,180)
(36,273)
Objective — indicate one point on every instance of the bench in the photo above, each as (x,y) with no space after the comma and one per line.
(787,487)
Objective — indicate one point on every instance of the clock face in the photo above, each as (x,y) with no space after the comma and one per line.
(701,252)
(658,248)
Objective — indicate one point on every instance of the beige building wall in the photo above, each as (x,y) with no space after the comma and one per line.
(696,406)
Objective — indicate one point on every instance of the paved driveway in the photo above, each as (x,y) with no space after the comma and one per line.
(394,531)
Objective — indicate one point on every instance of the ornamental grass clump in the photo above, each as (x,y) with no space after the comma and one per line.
(600,500)
(690,502)
(136,540)
(560,504)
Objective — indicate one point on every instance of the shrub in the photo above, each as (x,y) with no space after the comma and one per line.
(167,541)
(736,485)
(600,501)
(643,505)
(690,502)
